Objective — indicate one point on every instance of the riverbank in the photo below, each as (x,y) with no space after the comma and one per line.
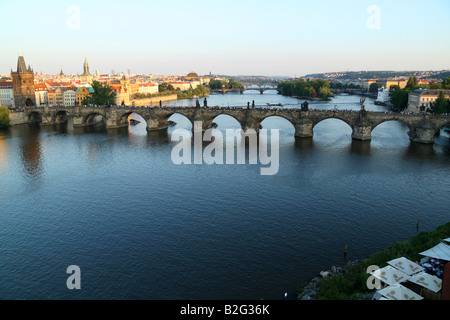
(349,281)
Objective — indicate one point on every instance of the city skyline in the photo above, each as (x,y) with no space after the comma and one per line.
(287,38)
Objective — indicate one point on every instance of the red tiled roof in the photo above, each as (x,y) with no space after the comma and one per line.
(6,84)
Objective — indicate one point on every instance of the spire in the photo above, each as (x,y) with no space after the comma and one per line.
(86,68)
(21,66)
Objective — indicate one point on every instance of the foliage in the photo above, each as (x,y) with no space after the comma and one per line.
(230,84)
(199,91)
(4,117)
(373,88)
(349,285)
(446,83)
(102,95)
(164,87)
(441,105)
(412,83)
(306,88)
(399,98)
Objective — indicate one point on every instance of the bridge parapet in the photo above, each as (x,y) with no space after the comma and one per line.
(422,127)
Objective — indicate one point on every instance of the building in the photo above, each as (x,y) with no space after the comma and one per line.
(69,96)
(383,95)
(191,76)
(122,95)
(41,94)
(83,93)
(389,83)
(421,99)
(146,88)
(23,85)
(86,77)
(6,94)
(182,85)
(55,96)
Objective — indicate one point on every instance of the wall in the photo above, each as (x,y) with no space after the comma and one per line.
(154,100)
(18,118)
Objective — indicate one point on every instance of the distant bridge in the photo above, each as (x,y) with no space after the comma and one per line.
(242,90)
(423,127)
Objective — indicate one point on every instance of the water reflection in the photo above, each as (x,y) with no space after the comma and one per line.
(3,154)
(360,147)
(304,143)
(31,153)
(420,150)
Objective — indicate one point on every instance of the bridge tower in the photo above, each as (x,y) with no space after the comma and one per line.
(23,85)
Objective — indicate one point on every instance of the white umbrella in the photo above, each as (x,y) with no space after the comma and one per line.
(428,281)
(441,251)
(399,292)
(406,265)
(390,275)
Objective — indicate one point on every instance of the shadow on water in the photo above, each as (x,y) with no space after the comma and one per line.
(360,147)
(420,150)
(304,143)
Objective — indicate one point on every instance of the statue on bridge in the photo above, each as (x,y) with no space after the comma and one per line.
(305,106)
(361,101)
(197,104)
(205,103)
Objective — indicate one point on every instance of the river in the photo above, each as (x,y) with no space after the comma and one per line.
(140,227)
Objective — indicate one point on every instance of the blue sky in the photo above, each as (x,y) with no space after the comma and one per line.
(283,37)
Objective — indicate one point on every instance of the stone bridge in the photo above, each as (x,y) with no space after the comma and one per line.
(241,90)
(423,127)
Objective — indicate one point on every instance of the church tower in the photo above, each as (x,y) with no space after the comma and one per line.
(86,76)
(23,85)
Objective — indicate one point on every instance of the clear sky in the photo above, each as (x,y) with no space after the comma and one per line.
(234,37)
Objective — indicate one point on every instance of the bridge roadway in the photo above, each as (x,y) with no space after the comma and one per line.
(423,127)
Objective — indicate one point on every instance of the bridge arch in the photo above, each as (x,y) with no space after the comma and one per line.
(275,116)
(60,117)
(315,123)
(391,120)
(227,119)
(93,118)
(178,118)
(34,117)
(124,119)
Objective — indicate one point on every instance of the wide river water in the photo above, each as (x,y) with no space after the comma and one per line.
(140,227)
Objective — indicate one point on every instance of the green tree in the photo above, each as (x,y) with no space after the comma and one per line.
(373,88)
(165,87)
(435,85)
(102,95)
(446,83)
(325,93)
(412,83)
(4,117)
(399,98)
(441,105)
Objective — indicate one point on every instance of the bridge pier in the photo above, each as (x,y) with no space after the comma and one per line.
(155,125)
(423,133)
(362,132)
(304,128)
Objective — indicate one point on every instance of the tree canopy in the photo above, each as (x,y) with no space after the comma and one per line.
(102,95)
(230,84)
(306,88)
(441,105)
(4,117)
